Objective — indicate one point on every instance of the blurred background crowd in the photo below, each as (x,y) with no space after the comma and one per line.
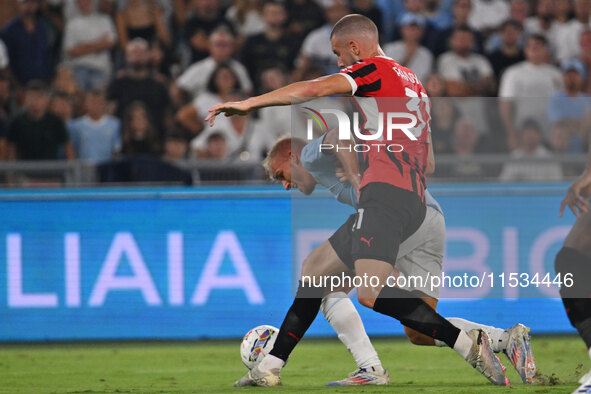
(123,85)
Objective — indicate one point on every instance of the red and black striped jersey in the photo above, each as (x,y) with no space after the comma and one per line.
(382,86)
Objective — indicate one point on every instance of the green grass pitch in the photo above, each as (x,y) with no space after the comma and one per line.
(213,366)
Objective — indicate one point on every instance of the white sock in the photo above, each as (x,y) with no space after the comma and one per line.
(340,312)
(270,362)
(497,336)
(462,345)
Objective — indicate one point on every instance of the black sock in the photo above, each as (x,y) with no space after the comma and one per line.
(578,311)
(300,316)
(584,329)
(576,298)
(574,265)
(414,313)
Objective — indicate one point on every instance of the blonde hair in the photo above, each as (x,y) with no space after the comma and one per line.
(281,147)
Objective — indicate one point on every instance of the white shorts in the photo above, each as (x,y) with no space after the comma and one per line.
(421,255)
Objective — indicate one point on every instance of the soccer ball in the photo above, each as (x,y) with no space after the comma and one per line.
(256,344)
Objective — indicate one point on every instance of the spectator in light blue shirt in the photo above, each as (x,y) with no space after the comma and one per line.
(572,103)
(569,108)
(96,136)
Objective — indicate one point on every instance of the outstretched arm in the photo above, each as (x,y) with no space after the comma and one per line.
(298,92)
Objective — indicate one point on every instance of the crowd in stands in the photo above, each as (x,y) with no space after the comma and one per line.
(107,81)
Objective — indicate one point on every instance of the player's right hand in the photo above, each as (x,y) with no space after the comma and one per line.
(230,108)
(577,195)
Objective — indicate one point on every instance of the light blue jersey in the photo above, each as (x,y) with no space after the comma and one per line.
(321,166)
(95,141)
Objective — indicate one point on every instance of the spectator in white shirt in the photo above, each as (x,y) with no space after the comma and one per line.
(465,146)
(467,74)
(316,51)
(568,35)
(247,17)
(408,51)
(87,41)
(487,15)
(4,60)
(543,22)
(563,11)
(531,147)
(70,10)
(275,121)
(223,83)
(585,45)
(194,80)
(531,82)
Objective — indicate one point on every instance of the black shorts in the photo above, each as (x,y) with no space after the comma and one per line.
(386,216)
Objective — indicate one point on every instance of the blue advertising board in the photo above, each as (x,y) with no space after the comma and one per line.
(172,263)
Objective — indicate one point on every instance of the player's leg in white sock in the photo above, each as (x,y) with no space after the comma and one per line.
(463,345)
(270,362)
(340,312)
(497,336)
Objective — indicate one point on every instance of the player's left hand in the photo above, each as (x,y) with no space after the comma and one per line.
(576,196)
(340,173)
(230,108)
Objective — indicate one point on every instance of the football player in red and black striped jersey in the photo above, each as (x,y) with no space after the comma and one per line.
(391,197)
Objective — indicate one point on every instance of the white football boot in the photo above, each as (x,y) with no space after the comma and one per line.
(255,377)
(483,359)
(585,384)
(364,376)
(519,352)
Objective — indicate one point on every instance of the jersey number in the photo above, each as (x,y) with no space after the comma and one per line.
(414,106)
(359,219)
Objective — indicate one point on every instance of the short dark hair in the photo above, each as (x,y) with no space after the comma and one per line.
(176,134)
(511,22)
(211,83)
(36,85)
(354,24)
(96,92)
(223,29)
(462,29)
(274,2)
(216,135)
(60,94)
(539,38)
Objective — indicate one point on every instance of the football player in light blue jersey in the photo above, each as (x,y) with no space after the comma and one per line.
(301,165)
